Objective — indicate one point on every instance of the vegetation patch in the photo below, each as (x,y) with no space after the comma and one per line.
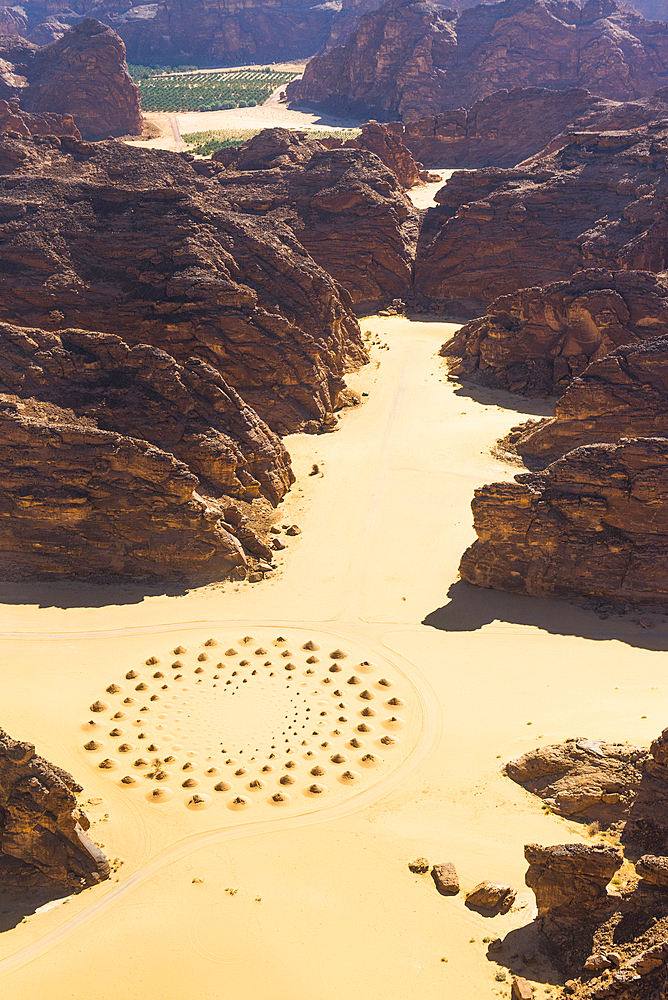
(202,91)
(206,143)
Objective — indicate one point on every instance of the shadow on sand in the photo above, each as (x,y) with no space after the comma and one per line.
(70,594)
(471,608)
(15,904)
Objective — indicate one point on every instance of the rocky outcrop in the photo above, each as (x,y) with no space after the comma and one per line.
(583,779)
(653,869)
(142,392)
(343,205)
(413,58)
(78,501)
(570,880)
(537,340)
(591,524)
(43,837)
(106,237)
(511,125)
(15,122)
(386,141)
(82,75)
(590,200)
(85,74)
(625,394)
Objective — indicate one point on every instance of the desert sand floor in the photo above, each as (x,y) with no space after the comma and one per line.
(308,895)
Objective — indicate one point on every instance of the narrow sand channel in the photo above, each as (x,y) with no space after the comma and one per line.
(321,902)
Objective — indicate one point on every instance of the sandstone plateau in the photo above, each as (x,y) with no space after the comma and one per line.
(105,237)
(537,340)
(591,524)
(43,837)
(83,75)
(590,200)
(414,58)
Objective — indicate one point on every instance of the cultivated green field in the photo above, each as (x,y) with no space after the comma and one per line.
(206,143)
(219,91)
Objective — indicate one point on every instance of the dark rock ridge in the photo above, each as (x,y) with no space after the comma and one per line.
(592,523)
(344,205)
(625,394)
(78,501)
(414,58)
(110,238)
(143,392)
(43,837)
(536,341)
(387,142)
(511,125)
(591,199)
(83,74)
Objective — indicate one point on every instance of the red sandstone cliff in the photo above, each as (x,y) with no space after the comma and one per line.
(414,58)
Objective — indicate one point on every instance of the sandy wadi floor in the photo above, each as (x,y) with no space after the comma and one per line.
(312,896)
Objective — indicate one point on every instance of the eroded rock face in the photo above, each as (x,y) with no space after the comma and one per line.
(625,394)
(144,393)
(511,125)
(106,237)
(568,879)
(387,142)
(581,778)
(653,869)
(344,205)
(414,58)
(591,524)
(536,341)
(17,122)
(77,501)
(42,830)
(590,200)
(83,74)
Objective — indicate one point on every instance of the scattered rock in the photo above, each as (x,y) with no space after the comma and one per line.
(522,989)
(419,867)
(446,879)
(496,897)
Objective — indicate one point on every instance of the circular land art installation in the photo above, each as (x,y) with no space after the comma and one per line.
(253,722)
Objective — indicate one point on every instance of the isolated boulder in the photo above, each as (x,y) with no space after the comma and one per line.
(495,897)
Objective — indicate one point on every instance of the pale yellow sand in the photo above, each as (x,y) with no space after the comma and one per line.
(314,899)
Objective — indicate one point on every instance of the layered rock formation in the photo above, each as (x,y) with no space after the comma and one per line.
(623,395)
(413,58)
(537,340)
(15,122)
(78,501)
(592,199)
(83,74)
(345,207)
(592,523)
(569,879)
(111,238)
(583,779)
(509,126)
(42,829)
(143,393)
